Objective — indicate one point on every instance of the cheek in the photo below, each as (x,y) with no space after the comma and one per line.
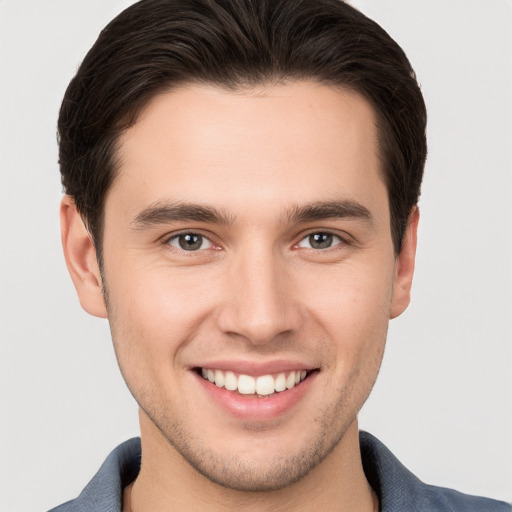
(157,301)
(354,296)
(352,307)
(152,315)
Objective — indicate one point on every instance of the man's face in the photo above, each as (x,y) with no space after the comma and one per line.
(247,239)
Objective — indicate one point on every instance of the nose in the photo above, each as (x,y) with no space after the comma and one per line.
(259,305)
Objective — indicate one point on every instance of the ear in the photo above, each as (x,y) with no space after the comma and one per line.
(80,255)
(404,266)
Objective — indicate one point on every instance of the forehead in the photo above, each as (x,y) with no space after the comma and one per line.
(297,142)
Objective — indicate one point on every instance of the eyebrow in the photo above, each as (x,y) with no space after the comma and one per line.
(163,213)
(166,212)
(342,209)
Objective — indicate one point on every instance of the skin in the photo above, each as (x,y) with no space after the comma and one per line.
(255,290)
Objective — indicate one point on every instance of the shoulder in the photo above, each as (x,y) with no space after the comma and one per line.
(440,498)
(104,492)
(398,489)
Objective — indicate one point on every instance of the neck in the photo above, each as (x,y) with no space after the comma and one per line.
(167,481)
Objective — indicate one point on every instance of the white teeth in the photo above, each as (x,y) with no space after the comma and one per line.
(263,385)
(280,382)
(219,378)
(231,382)
(246,385)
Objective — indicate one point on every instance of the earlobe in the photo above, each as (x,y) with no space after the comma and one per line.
(404,269)
(80,255)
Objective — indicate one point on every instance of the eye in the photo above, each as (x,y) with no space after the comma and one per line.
(320,241)
(190,242)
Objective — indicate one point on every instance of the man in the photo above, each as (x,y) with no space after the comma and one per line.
(241,184)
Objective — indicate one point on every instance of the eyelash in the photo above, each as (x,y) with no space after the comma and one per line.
(175,237)
(323,233)
(167,241)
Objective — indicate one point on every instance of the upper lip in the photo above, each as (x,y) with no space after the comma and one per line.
(255,368)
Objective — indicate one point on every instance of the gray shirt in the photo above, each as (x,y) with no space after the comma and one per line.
(397,488)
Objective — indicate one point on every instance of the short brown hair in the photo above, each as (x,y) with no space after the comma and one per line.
(155,45)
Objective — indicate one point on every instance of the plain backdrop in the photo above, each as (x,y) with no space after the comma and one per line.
(443,401)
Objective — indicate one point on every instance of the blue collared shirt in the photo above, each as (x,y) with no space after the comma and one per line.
(397,488)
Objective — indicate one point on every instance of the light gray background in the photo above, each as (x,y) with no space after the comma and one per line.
(443,402)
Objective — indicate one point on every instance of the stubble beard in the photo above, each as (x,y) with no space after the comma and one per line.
(268,473)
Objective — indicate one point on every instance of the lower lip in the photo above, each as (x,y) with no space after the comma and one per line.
(254,408)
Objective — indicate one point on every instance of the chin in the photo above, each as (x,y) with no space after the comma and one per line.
(264,463)
(250,474)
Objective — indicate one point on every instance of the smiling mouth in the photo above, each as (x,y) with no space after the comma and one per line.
(260,386)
